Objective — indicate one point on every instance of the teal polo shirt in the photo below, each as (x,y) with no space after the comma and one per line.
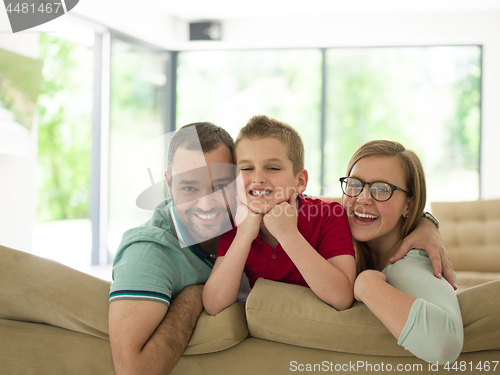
(151,264)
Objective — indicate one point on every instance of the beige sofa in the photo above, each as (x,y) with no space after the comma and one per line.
(471,234)
(53,320)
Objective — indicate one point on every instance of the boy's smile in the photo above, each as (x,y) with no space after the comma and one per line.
(258,193)
(267,172)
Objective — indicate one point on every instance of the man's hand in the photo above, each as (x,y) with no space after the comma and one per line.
(427,237)
(281,220)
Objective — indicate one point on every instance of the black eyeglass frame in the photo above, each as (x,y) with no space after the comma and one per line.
(392,186)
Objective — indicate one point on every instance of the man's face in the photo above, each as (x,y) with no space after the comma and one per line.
(202,188)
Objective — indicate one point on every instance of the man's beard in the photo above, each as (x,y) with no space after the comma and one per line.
(200,232)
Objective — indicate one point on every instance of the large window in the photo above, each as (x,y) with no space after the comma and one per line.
(68,115)
(137,117)
(63,229)
(427,98)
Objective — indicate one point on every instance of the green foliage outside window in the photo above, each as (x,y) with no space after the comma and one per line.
(427,98)
(64,130)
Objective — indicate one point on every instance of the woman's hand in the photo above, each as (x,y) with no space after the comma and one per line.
(364,281)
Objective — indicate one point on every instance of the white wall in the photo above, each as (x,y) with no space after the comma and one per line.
(17,173)
(134,18)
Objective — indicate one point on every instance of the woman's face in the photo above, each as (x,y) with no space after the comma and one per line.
(378,223)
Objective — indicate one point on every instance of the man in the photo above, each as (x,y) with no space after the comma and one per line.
(160,266)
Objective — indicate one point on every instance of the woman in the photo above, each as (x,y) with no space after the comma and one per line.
(384,196)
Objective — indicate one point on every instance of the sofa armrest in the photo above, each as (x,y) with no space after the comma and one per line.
(39,290)
(480,306)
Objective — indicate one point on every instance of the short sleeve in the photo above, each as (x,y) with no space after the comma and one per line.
(225,242)
(434,328)
(335,237)
(144,271)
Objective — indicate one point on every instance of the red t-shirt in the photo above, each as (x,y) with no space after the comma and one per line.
(323,224)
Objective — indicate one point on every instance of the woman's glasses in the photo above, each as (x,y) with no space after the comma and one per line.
(379,190)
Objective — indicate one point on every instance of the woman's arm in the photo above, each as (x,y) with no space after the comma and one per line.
(421,311)
(389,305)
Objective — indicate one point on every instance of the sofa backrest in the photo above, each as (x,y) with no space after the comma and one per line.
(471,233)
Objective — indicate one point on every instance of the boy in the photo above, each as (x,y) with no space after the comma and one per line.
(284,236)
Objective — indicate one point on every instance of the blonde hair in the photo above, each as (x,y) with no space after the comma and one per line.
(415,184)
(261,126)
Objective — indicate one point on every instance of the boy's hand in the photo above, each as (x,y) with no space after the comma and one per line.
(247,222)
(281,220)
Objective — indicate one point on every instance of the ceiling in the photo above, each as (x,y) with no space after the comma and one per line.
(230,9)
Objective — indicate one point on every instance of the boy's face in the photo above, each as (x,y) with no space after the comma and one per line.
(267,172)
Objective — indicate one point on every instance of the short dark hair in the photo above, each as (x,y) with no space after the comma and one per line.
(210,137)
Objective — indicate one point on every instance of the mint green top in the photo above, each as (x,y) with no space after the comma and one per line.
(152,264)
(434,329)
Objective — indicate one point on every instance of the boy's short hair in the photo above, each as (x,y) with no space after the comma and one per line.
(261,126)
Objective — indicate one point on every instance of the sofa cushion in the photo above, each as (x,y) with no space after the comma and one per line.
(471,233)
(222,331)
(294,315)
